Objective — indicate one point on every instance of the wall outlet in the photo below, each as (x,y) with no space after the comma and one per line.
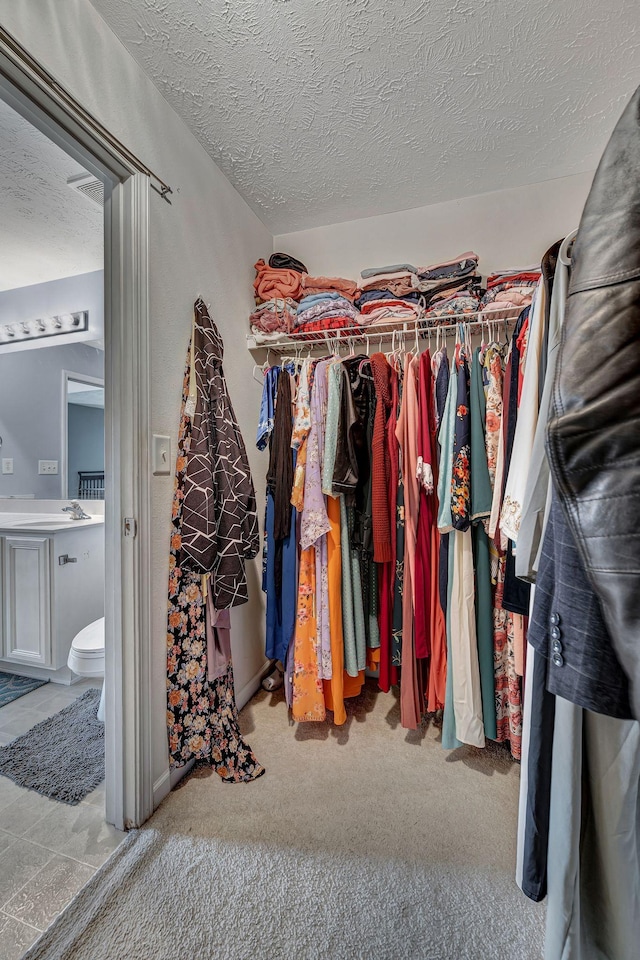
(7,464)
(47,466)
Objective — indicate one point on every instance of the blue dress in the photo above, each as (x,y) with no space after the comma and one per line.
(281,590)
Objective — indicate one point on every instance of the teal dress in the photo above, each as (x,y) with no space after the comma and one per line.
(481,495)
(445,439)
(353,625)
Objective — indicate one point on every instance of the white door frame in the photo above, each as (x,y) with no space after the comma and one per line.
(64,449)
(129,799)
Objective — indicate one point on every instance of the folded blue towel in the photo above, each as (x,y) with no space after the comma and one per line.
(314,298)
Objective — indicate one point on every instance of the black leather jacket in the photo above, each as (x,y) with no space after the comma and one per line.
(594,431)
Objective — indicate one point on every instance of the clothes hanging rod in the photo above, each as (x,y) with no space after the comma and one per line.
(377,333)
(23,59)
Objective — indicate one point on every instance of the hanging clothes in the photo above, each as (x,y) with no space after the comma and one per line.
(402,463)
(219,523)
(481,495)
(411,689)
(396,508)
(202,717)
(279,581)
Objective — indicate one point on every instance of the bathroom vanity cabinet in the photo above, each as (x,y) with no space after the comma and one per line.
(52,585)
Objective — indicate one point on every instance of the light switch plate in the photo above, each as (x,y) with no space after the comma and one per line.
(7,464)
(47,467)
(161,455)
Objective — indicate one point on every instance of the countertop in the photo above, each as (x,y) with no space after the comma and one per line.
(43,522)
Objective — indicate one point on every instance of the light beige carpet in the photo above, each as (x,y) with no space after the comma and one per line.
(366,841)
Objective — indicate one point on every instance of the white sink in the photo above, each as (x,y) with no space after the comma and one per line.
(46,524)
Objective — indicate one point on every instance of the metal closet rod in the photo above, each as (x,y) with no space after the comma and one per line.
(378,332)
(92,122)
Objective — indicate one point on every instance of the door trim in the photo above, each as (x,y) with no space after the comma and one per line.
(129,799)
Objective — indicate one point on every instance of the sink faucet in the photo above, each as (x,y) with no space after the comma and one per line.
(76,511)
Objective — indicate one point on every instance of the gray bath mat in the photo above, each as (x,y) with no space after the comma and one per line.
(13,686)
(63,756)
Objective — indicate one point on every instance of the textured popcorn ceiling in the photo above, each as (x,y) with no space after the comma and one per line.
(47,231)
(320,111)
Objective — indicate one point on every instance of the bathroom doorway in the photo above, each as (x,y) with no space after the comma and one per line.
(34,95)
(53,776)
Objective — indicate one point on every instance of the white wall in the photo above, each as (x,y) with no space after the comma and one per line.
(205,243)
(32,407)
(508,228)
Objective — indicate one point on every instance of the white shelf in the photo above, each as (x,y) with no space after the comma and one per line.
(380,333)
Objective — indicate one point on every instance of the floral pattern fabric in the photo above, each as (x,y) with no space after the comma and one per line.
(461,469)
(507,683)
(308,693)
(494,372)
(202,716)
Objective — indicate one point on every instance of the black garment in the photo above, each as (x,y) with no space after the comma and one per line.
(461,515)
(351,468)
(539,761)
(594,431)
(284,261)
(442,386)
(280,472)
(365,534)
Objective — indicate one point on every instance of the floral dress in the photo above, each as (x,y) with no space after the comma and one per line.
(507,682)
(494,371)
(202,716)
(461,470)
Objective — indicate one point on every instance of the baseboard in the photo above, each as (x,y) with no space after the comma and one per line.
(63,675)
(161,788)
(252,686)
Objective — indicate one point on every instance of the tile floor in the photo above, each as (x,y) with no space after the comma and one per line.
(48,850)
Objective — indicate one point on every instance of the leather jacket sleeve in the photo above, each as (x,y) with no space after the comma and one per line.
(593,438)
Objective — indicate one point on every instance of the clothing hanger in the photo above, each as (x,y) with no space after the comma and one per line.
(391,352)
(350,349)
(363,361)
(258,367)
(396,357)
(563,253)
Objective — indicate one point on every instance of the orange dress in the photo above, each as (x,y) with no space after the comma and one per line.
(341,686)
(411,695)
(308,694)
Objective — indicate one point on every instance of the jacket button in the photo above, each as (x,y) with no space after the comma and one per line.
(555,633)
(556,646)
(558,659)
(554,619)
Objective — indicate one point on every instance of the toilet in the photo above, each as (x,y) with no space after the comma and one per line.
(86,657)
